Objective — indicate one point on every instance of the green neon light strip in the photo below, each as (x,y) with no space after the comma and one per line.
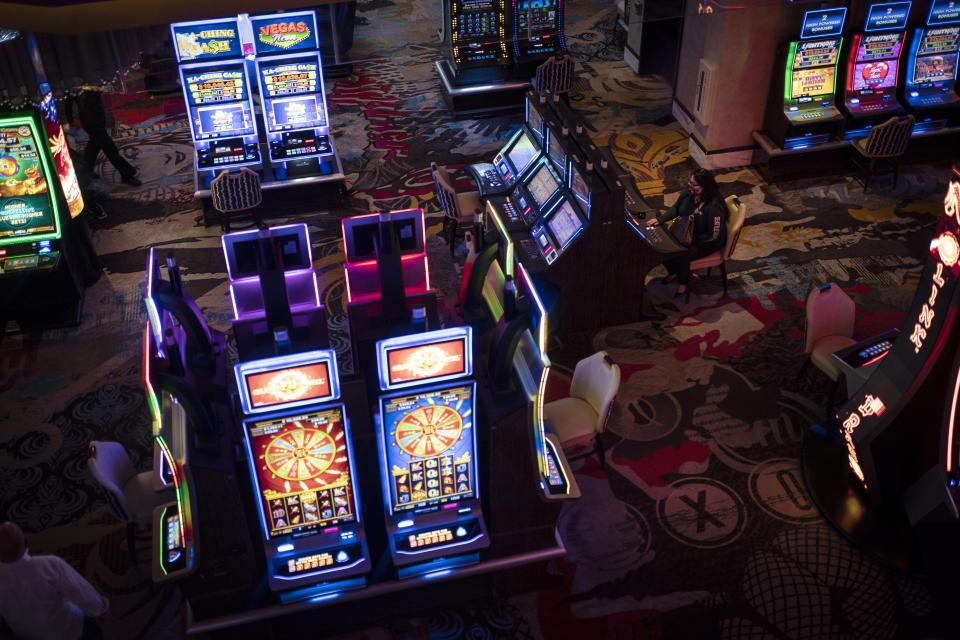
(505,236)
(48,176)
(788,73)
(163,529)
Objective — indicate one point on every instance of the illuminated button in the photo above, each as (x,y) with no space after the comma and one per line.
(342,557)
(461,532)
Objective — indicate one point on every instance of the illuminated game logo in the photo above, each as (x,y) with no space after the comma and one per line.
(875,73)
(284,34)
(8,167)
(289,385)
(222,119)
(425,357)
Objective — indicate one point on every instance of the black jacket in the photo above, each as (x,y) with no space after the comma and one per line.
(709,224)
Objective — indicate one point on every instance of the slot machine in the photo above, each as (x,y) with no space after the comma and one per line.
(511,164)
(537,32)
(295,115)
(216,87)
(43,258)
(427,440)
(930,90)
(873,67)
(801,111)
(300,454)
(478,40)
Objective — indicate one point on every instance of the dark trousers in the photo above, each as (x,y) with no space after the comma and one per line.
(99,141)
(680,265)
(91,630)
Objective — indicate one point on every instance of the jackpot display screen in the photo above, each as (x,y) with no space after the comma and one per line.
(225,83)
(522,153)
(26,203)
(564,224)
(881,74)
(427,361)
(939,41)
(429,447)
(293,384)
(816,53)
(302,471)
(880,46)
(812,82)
(290,78)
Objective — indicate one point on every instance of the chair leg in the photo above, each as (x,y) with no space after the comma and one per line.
(803,369)
(453,235)
(866,181)
(598,447)
(132,541)
(723,272)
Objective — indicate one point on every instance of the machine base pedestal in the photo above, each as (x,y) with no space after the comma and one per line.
(495,98)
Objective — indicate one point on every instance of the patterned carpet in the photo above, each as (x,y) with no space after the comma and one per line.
(698,527)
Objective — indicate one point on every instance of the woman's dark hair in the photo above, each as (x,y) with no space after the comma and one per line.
(711,192)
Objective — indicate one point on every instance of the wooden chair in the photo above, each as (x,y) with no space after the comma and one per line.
(555,75)
(131,494)
(736,214)
(459,209)
(233,192)
(829,328)
(582,416)
(885,144)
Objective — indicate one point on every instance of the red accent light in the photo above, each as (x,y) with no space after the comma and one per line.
(875,359)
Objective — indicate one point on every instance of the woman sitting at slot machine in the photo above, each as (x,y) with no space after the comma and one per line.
(702,225)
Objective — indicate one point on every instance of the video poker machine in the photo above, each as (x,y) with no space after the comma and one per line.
(45,258)
(427,439)
(930,89)
(873,69)
(301,459)
(477,34)
(801,111)
(537,33)
(216,87)
(510,165)
(290,78)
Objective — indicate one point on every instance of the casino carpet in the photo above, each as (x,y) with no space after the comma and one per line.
(699,525)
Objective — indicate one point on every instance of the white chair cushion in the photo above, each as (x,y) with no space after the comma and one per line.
(823,350)
(571,419)
(597,383)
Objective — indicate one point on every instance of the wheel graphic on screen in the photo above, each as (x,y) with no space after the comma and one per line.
(428,431)
(300,455)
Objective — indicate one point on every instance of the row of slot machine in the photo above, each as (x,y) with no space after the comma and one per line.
(493,39)
(889,476)
(888,69)
(407,436)
(223,64)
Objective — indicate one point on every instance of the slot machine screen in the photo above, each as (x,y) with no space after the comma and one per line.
(366,241)
(537,15)
(429,447)
(812,82)
(246,255)
(298,112)
(427,361)
(224,84)
(535,121)
(557,155)
(939,41)
(881,46)
(881,74)
(578,186)
(816,53)
(478,18)
(302,471)
(407,236)
(565,224)
(523,152)
(931,70)
(26,208)
(292,384)
(542,186)
(222,120)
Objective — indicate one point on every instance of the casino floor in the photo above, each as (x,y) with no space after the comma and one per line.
(709,397)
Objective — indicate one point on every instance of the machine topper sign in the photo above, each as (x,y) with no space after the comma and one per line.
(283,33)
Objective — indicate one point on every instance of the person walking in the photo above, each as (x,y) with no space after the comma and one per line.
(43,597)
(93,119)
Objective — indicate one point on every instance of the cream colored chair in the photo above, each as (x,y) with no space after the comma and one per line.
(886,144)
(555,75)
(580,418)
(830,318)
(131,494)
(736,214)
(459,209)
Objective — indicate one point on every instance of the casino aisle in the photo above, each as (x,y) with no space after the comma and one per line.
(699,526)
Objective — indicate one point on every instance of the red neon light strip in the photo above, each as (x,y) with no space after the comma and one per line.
(875,359)
(953,422)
